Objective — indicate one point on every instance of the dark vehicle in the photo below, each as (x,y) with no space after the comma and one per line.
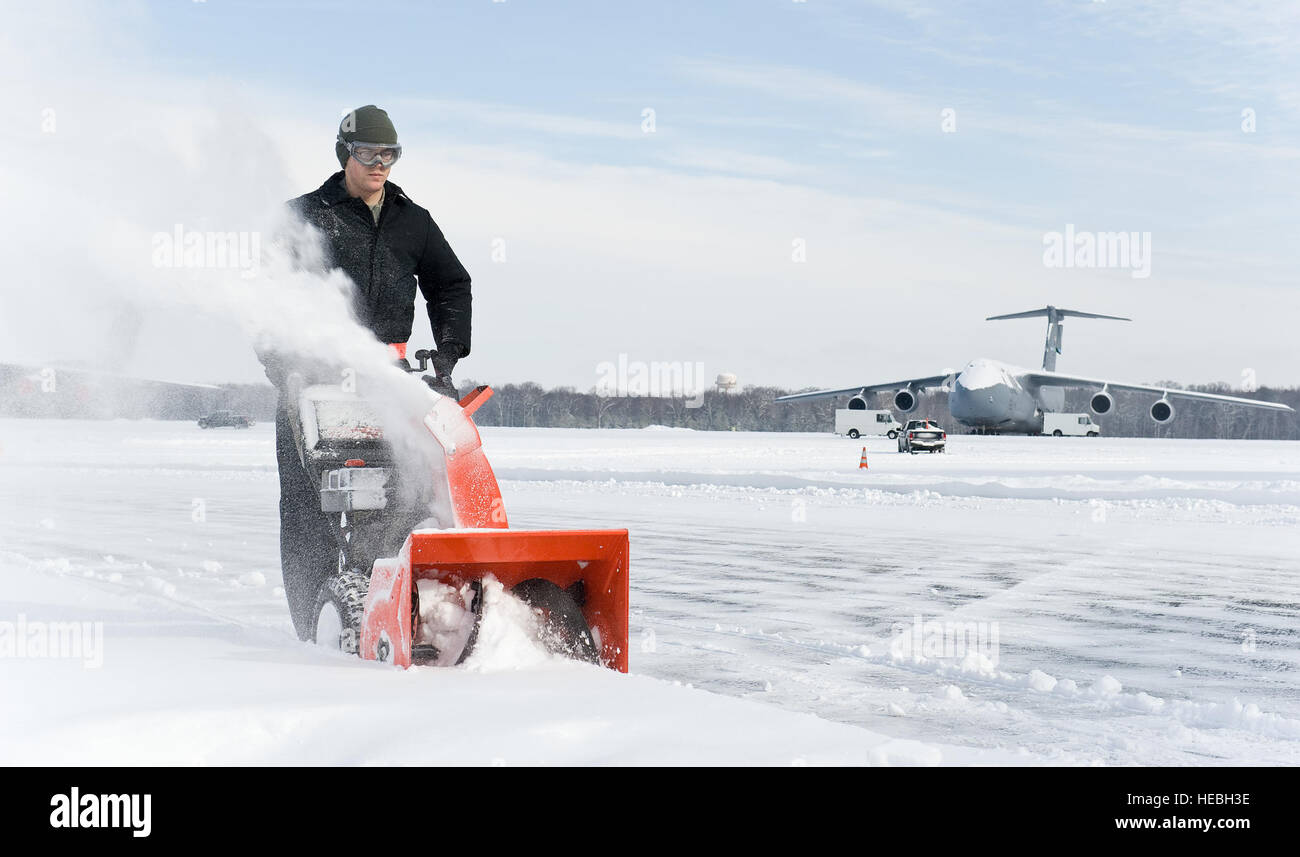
(225,419)
(922,434)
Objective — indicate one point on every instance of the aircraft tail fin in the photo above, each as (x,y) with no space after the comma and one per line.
(1052,347)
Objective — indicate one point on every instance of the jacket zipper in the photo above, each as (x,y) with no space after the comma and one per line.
(374,247)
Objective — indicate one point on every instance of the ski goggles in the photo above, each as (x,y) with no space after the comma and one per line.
(370,154)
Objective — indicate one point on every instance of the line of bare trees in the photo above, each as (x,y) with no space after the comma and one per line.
(751,409)
(754,409)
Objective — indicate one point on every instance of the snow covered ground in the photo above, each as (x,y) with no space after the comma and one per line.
(1058,600)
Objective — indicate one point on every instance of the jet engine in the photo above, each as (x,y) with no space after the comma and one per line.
(1101,402)
(906,400)
(858,403)
(1162,411)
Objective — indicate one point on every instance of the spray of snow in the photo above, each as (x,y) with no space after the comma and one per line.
(140,206)
(510,634)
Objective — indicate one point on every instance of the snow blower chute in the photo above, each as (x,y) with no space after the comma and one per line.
(406,539)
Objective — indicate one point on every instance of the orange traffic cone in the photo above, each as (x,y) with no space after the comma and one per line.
(862,465)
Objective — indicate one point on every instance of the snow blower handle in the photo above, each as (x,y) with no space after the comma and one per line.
(442,362)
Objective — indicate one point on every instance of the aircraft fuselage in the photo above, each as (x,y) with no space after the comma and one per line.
(989,396)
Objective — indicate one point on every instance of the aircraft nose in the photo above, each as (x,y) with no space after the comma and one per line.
(979,376)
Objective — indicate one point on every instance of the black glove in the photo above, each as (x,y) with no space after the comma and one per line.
(442,384)
(443,361)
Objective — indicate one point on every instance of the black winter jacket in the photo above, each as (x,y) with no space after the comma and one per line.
(385,261)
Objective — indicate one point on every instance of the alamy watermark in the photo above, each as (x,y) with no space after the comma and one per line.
(1074,249)
(935,640)
(129,811)
(196,248)
(656,379)
(71,640)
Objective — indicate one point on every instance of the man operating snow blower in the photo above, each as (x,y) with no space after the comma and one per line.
(394,539)
(387,245)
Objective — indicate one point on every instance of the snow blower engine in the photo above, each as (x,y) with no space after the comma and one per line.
(420,553)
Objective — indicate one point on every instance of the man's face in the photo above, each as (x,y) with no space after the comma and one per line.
(367,180)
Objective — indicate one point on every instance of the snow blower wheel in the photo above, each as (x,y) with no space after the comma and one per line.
(564,630)
(340,605)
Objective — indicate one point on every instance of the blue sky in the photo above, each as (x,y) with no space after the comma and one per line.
(776,121)
(843,94)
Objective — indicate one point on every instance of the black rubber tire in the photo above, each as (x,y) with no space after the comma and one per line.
(1057,433)
(893,435)
(855,434)
(346,591)
(564,629)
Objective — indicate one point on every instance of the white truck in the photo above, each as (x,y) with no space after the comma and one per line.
(855,423)
(1075,425)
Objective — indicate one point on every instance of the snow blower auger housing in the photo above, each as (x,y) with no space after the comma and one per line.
(446,542)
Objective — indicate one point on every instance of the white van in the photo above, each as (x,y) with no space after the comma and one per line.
(855,423)
(1075,425)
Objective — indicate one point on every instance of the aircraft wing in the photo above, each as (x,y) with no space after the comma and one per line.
(101,376)
(180,385)
(1043,378)
(915,383)
(34,373)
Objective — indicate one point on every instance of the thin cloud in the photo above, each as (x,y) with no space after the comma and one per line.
(507,116)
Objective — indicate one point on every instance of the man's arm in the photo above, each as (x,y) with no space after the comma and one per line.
(445,284)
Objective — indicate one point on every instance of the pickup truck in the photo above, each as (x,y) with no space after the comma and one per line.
(220,419)
(922,434)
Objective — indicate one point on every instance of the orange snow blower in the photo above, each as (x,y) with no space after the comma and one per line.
(575,581)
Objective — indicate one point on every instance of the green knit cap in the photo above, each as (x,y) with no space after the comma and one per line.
(368,124)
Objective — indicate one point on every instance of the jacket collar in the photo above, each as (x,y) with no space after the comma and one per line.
(333,191)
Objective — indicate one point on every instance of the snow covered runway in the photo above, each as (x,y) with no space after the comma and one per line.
(1142,596)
